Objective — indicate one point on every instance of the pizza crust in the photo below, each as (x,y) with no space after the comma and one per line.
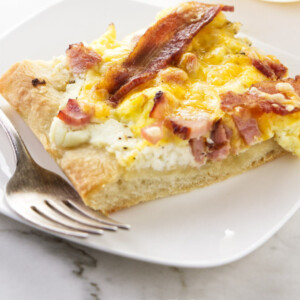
(137,187)
(102,183)
(88,168)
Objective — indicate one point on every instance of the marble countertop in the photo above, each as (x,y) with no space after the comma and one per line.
(37,266)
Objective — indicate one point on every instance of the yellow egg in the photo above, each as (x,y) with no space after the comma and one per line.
(219,64)
(287,131)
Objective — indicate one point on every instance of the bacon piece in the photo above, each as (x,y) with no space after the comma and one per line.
(81,58)
(189,129)
(73,115)
(264,102)
(295,83)
(160,106)
(220,136)
(277,108)
(230,100)
(228,8)
(269,87)
(153,133)
(269,68)
(198,150)
(279,69)
(220,153)
(266,98)
(245,124)
(217,147)
(247,127)
(135,38)
(161,45)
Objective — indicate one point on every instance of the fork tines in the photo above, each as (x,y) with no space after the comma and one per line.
(66,217)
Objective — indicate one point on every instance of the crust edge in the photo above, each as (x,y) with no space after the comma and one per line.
(95,173)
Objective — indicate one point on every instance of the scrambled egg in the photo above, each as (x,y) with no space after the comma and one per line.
(194,85)
(222,65)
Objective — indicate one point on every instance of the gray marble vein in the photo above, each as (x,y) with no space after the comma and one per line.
(37,266)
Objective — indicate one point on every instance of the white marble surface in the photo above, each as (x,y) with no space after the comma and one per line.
(37,266)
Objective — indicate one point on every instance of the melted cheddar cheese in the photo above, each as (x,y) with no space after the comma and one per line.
(215,62)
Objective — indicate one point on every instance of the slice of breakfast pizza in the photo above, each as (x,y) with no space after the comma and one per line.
(181,105)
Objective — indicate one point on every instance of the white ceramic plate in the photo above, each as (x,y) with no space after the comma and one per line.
(204,228)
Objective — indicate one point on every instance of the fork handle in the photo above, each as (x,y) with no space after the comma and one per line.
(20,151)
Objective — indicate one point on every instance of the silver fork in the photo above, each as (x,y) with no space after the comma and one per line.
(47,200)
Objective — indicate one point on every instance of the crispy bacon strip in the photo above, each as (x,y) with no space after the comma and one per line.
(161,45)
(269,68)
(263,97)
(264,102)
(73,115)
(270,86)
(81,58)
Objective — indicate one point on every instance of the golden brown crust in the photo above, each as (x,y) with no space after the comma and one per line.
(33,103)
(87,168)
(96,175)
(142,186)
